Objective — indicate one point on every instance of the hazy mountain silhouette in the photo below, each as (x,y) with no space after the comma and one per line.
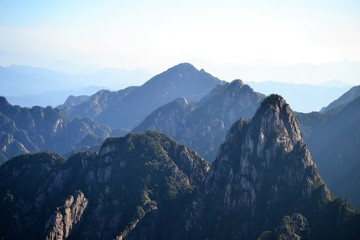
(128,107)
(334,140)
(29,86)
(303,97)
(345,99)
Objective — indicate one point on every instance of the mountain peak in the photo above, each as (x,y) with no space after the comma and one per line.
(262,169)
(3,102)
(237,82)
(183,66)
(274,100)
(276,121)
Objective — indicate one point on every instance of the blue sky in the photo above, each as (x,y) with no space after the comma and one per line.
(153,35)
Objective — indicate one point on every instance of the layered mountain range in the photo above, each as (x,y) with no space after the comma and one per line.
(203,125)
(128,107)
(263,184)
(25,130)
(198,119)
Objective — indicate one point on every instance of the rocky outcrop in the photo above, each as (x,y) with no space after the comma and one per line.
(203,125)
(61,224)
(263,172)
(294,227)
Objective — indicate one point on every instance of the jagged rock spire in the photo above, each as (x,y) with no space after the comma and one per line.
(263,171)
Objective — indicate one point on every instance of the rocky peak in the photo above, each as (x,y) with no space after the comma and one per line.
(156,146)
(275,122)
(237,83)
(263,171)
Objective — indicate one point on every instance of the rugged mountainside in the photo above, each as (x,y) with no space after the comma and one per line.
(203,125)
(262,185)
(24,130)
(345,99)
(265,184)
(128,107)
(334,140)
(136,187)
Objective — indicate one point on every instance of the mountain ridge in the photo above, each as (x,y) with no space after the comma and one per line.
(333,138)
(203,125)
(126,110)
(25,130)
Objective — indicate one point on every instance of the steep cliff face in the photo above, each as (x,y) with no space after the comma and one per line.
(131,189)
(61,223)
(263,172)
(203,125)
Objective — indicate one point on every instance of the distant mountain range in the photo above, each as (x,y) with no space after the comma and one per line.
(25,130)
(51,87)
(29,86)
(128,107)
(303,97)
(263,184)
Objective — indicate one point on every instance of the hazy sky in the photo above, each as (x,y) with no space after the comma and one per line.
(156,34)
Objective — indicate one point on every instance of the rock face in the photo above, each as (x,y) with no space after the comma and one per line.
(203,125)
(131,189)
(24,130)
(334,140)
(263,172)
(128,107)
(63,221)
(293,227)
